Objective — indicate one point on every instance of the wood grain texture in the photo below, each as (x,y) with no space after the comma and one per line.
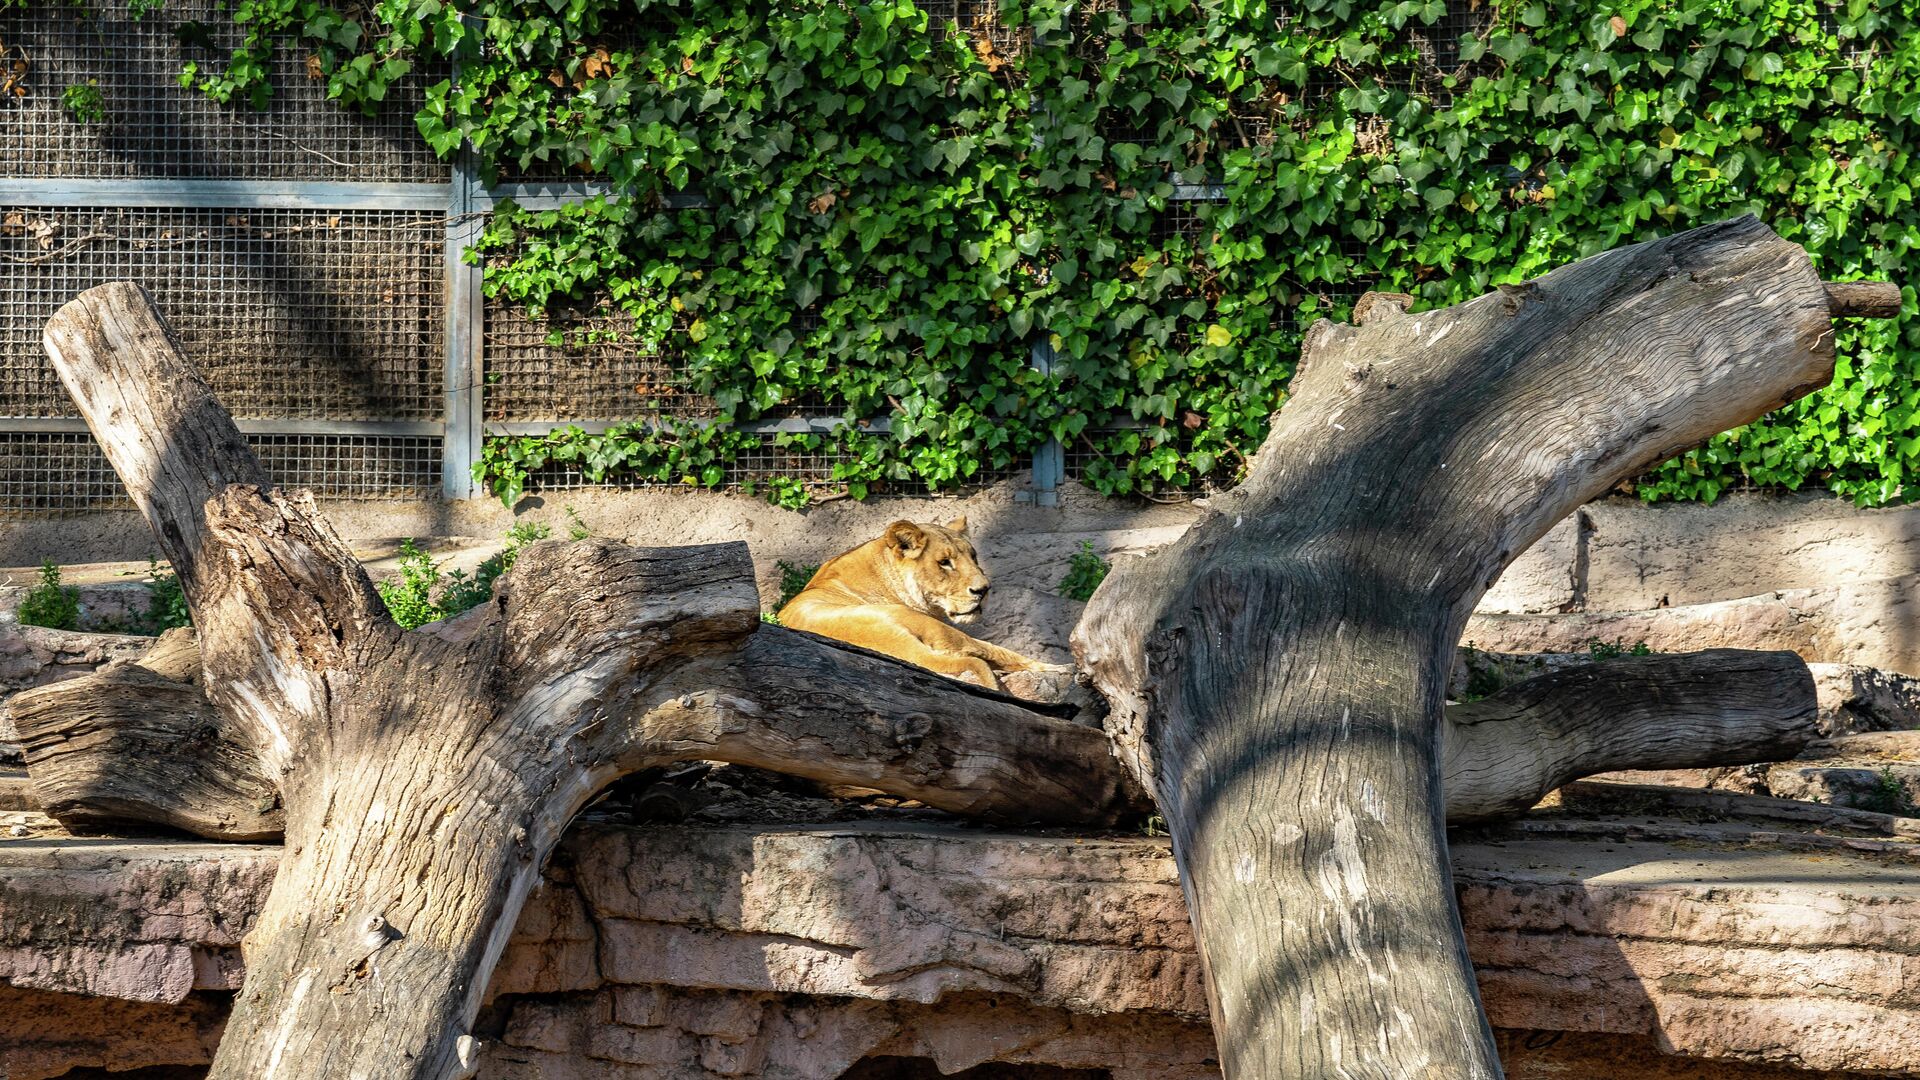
(1696,710)
(138,743)
(1277,676)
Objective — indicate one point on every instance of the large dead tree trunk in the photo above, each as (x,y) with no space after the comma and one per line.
(128,746)
(425,776)
(1277,676)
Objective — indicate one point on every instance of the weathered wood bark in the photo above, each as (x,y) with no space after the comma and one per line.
(138,742)
(1277,675)
(1280,686)
(426,775)
(1695,710)
(807,706)
(133,745)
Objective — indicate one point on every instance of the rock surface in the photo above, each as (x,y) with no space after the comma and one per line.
(1679,554)
(1878,772)
(796,951)
(1859,623)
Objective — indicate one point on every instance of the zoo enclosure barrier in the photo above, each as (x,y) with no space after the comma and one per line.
(311,262)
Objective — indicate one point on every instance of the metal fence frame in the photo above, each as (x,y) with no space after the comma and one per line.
(465,203)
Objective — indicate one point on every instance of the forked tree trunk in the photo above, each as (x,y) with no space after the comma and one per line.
(427,775)
(1277,675)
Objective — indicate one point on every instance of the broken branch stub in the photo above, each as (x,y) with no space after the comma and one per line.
(1277,676)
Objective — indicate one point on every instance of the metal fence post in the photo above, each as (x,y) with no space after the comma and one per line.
(466,316)
(1049,458)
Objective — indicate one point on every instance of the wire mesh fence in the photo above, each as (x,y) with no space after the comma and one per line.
(92,91)
(328,314)
(64,472)
(319,314)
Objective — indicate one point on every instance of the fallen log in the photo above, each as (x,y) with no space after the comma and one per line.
(124,747)
(1505,752)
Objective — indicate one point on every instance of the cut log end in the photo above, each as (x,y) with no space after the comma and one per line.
(1863,299)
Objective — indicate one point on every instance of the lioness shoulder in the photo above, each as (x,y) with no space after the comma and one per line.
(900,593)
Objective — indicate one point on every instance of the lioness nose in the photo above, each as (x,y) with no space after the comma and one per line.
(980,590)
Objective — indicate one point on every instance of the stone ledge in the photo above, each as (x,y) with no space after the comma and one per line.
(1803,959)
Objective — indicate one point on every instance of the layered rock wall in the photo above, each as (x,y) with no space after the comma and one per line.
(797,952)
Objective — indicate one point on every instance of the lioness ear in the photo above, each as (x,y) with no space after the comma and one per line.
(958,524)
(906,538)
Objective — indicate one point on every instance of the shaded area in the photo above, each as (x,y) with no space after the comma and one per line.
(902,1068)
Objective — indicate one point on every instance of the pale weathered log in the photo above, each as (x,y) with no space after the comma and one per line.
(1278,687)
(1277,676)
(1696,710)
(425,776)
(138,743)
(812,707)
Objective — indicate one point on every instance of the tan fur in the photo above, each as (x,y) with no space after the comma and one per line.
(896,594)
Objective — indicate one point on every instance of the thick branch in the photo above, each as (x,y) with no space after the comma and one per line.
(138,743)
(101,753)
(279,600)
(1863,299)
(1698,710)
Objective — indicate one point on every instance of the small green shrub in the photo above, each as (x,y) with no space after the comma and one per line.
(1085,571)
(409,599)
(1484,678)
(51,604)
(576,528)
(422,594)
(1887,796)
(793,578)
(85,101)
(166,601)
(1609,650)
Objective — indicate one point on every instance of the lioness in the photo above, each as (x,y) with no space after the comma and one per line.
(894,594)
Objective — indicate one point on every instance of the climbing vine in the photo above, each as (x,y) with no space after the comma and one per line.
(896,202)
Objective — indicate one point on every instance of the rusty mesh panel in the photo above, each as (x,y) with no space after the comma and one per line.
(600,373)
(154,127)
(289,313)
(44,472)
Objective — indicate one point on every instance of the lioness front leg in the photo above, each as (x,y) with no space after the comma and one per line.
(1006,659)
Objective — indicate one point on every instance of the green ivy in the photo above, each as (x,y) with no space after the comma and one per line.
(897,208)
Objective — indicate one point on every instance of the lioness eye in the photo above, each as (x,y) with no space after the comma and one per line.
(946,564)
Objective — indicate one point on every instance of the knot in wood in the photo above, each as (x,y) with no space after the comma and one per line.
(1373,306)
(376,932)
(912,729)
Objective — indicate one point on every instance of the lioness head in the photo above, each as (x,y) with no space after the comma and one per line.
(936,568)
